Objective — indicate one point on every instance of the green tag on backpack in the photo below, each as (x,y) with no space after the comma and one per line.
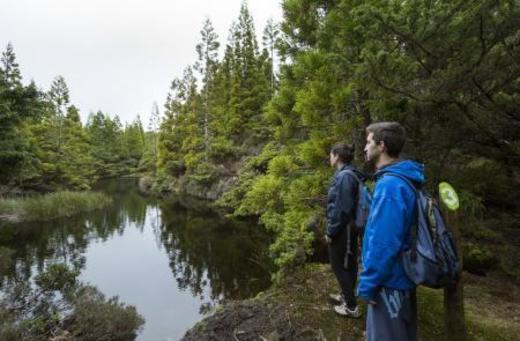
(449,196)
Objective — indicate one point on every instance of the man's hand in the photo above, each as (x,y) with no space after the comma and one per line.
(328,239)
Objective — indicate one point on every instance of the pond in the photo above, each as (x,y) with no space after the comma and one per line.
(174,259)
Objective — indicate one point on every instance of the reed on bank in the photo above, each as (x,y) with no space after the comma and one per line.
(51,206)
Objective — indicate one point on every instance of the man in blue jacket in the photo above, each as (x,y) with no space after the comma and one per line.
(392,310)
(342,240)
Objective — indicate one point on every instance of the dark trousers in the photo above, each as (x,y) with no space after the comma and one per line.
(346,271)
(393,317)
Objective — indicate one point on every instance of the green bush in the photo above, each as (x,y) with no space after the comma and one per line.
(265,194)
(204,173)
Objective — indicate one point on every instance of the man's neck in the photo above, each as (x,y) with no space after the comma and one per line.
(385,160)
(339,165)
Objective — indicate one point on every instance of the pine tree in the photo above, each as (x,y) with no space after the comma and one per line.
(10,69)
(134,142)
(59,98)
(180,102)
(270,37)
(207,52)
(153,128)
(18,104)
(107,142)
(76,161)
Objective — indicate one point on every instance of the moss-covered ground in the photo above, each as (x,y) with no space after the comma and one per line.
(297,308)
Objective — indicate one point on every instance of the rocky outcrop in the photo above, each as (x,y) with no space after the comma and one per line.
(211,191)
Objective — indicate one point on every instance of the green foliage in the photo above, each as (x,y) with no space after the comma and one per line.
(446,70)
(265,195)
(17,104)
(43,144)
(204,173)
(51,206)
(282,166)
(294,238)
(486,178)
(222,148)
(106,137)
(479,260)
(352,63)
(471,205)
(219,122)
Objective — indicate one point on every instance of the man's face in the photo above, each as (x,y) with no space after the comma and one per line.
(372,149)
(333,158)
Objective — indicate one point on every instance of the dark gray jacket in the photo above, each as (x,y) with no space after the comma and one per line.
(341,199)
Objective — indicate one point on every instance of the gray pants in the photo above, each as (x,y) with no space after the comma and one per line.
(393,317)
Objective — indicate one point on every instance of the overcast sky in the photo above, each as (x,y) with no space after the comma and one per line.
(118,56)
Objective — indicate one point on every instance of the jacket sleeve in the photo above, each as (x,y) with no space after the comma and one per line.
(340,208)
(383,242)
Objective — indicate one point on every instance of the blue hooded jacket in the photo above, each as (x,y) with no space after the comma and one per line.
(387,232)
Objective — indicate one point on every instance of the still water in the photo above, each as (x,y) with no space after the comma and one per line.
(174,259)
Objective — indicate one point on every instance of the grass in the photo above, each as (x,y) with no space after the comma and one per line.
(492,307)
(51,206)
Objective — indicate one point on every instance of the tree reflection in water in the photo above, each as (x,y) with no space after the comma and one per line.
(208,254)
(206,249)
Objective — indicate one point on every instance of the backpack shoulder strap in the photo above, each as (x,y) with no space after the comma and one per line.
(405,179)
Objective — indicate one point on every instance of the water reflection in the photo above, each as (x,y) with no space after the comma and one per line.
(210,257)
(205,249)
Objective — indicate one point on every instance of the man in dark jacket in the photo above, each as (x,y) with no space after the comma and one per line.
(341,236)
(392,311)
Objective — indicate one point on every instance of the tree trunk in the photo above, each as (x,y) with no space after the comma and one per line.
(455,323)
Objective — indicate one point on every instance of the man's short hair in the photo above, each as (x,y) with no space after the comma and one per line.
(344,152)
(391,133)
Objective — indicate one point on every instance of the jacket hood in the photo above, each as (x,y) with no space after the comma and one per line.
(352,168)
(412,170)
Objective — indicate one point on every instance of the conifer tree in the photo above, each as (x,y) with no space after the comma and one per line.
(206,65)
(155,122)
(76,162)
(107,143)
(59,99)
(270,37)
(10,69)
(18,104)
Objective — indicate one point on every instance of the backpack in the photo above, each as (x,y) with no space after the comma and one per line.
(432,259)
(363,202)
(361,210)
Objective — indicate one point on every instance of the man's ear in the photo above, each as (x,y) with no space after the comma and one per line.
(381,146)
